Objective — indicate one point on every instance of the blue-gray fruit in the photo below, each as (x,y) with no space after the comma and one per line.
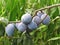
(26,18)
(17,25)
(32,25)
(43,16)
(10,29)
(37,20)
(21,27)
(46,20)
(39,13)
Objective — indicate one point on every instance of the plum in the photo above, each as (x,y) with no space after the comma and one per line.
(39,13)
(21,27)
(37,20)
(32,25)
(46,20)
(10,29)
(26,18)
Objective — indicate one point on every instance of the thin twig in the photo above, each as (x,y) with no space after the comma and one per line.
(47,7)
(14,21)
(55,5)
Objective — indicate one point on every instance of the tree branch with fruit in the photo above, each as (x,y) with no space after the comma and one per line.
(29,23)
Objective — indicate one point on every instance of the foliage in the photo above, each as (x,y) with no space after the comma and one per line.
(44,35)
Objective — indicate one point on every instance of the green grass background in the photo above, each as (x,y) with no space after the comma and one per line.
(44,35)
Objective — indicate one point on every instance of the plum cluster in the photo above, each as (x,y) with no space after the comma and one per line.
(28,22)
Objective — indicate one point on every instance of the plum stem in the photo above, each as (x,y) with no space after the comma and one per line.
(47,7)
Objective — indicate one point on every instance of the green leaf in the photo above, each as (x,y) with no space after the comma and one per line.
(55,12)
(55,38)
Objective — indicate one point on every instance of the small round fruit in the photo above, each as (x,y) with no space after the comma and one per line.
(39,14)
(26,18)
(21,27)
(10,29)
(37,20)
(43,16)
(32,25)
(46,20)
(16,25)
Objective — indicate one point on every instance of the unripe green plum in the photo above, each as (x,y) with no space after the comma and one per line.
(26,18)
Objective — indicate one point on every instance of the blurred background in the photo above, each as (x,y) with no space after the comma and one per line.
(44,35)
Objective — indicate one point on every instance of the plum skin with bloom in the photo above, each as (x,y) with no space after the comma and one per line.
(26,18)
(37,20)
(46,20)
(39,14)
(10,29)
(21,27)
(32,25)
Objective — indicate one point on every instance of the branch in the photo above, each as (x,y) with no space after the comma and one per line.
(14,21)
(48,7)
(55,5)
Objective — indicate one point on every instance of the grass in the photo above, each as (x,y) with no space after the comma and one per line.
(44,35)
